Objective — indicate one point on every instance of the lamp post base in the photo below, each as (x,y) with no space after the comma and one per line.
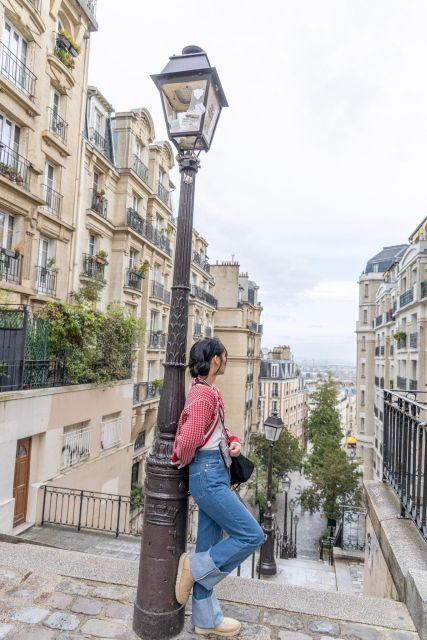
(268,568)
(158,626)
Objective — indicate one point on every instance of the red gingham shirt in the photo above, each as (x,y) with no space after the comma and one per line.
(197,417)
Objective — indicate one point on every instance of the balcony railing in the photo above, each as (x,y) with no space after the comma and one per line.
(401,343)
(111,433)
(133,280)
(145,392)
(46,280)
(16,72)
(413,385)
(389,316)
(10,266)
(401,382)
(405,452)
(57,125)
(99,203)
(197,330)
(139,440)
(75,447)
(413,340)
(157,340)
(14,166)
(379,320)
(140,169)
(424,289)
(164,194)
(208,332)
(149,232)
(406,297)
(92,266)
(201,294)
(160,293)
(53,200)
(97,140)
(201,261)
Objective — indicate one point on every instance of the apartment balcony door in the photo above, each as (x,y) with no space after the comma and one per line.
(20,483)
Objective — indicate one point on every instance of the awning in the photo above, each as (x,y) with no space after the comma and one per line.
(351,440)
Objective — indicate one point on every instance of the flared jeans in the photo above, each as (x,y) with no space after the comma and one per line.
(220,510)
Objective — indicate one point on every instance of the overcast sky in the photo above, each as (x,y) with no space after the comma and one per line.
(320,159)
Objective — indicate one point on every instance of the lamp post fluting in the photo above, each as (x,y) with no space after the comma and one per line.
(286,484)
(192,100)
(267,565)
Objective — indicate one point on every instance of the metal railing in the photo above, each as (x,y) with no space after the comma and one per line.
(99,203)
(148,231)
(92,266)
(160,293)
(17,72)
(201,261)
(413,385)
(111,433)
(201,294)
(401,382)
(197,330)
(413,340)
(75,447)
(405,453)
(164,194)
(46,280)
(133,280)
(145,391)
(14,166)
(53,200)
(382,350)
(389,316)
(97,139)
(140,169)
(401,343)
(157,340)
(10,266)
(379,320)
(57,125)
(406,297)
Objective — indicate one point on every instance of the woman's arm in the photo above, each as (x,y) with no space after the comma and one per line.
(195,420)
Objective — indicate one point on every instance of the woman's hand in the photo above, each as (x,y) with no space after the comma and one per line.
(234,449)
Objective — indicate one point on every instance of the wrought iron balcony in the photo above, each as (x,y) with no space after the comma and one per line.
(401,382)
(157,340)
(424,289)
(413,340)
(160,293)
(10,266)
(201,261)
(406,297)
(57,125)
(146,230)
(164,194)
(413,385)
(197,330)
(93,267)
(140,169)
(401,342)
(14,167)
(133,280)
(53,200)
(201,294)
(97,140)
(17,72)
(46,280)
(379,320)
(145,392)
(99,203)
(75,447)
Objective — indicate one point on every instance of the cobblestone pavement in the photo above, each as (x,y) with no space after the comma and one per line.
(35,606)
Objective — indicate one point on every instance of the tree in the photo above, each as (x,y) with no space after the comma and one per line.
(325,419)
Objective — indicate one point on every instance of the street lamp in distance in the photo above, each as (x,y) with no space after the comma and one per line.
(286,485)
(192,99)
(296,520)
(267,565)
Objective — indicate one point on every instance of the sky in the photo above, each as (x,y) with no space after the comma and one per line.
(320,159)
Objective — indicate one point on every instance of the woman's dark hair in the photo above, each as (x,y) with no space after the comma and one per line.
(201,355)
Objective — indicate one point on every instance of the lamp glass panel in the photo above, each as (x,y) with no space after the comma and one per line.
(272,433)
(184,105)
(213,109)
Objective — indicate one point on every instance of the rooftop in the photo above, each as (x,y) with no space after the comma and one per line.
(383,260)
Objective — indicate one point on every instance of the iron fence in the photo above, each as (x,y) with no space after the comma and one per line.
(145,391)
(164,194)
(140,169)
(99,203)
(157,340)
(53,200)
(17,72)
(201,294)
(405,453)
(14,166)
(133,280)
(46,280)
(10,266)
(57,125)
(93,267)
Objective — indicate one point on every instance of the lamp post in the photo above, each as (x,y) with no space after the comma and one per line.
(286,485)
(296,520)
(192,99)
(292,505)
(267,565)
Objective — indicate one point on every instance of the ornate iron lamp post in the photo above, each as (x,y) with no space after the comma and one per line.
(192,99)
(292,505)
(296,520)
(286,485)
(267,566)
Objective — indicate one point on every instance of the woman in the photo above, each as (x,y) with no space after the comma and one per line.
(205,444)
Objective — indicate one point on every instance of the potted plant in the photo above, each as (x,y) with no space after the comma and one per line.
(142,269)
(399,335)
(100,193)
(101,256)
(65,57)
(157,383)
(67,41)
(51,264)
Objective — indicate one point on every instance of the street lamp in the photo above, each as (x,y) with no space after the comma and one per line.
(296,520)
(267,565)
(286,485)
(292,505)
(192,99)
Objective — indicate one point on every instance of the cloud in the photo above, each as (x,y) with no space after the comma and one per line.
(333,290)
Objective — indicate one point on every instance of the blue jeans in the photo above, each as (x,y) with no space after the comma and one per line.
(220,510)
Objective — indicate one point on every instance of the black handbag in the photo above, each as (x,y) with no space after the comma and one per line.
(241,469)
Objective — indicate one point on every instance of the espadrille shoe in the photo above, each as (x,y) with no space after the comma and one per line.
(228,628)
(184,579)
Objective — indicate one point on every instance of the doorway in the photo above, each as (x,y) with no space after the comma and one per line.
(20,482)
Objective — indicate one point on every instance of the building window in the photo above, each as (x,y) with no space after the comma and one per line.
(375,267)
(366,290)
(91,246)
(9,138)
(7,224)
(365,316)
(273,406)
(75,444)
(275,390)
(132,258)
(111,431)
(362,398)
(135,202)
(274,370)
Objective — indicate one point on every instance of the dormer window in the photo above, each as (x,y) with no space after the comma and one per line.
(274,370)
(98,121)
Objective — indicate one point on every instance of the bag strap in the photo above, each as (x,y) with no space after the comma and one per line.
(218,416)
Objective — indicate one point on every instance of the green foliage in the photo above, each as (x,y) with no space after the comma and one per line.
(91,290)
(137,495)
(324,420)
(97,347)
